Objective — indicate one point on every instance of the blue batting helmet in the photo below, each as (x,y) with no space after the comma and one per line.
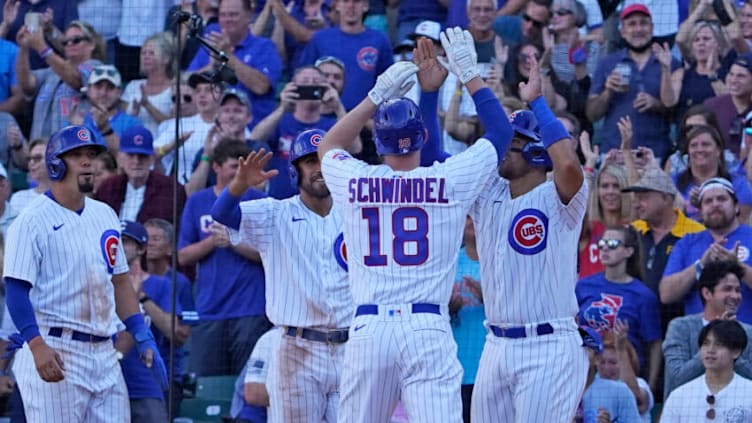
(307,142)
(67,139)
(399,127)
(525,124)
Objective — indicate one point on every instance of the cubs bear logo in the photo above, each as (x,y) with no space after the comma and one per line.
(340,156)
(109,243)
(601,315)
(315,140)
(529,232)
(340,251)
(367,58)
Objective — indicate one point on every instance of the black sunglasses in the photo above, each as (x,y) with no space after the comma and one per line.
(75,40)
(563,12)
(710,415)
(187,98)
(612,244)
(537,24)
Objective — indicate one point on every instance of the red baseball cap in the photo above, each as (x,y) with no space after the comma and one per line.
(634,8)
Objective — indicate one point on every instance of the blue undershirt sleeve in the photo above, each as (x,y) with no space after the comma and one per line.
(226,210)
(20,308)
(431,152)
(493,118)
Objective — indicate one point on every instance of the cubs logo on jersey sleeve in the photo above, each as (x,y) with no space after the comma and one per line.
(340,251)
(109,243)
(528,233)
(601,315)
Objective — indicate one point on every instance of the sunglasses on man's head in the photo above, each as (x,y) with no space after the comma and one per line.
(537,24)
(328,59)
(611,244)
(105,71)
(74,40)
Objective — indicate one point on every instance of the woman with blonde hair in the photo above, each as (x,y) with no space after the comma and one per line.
(606,207)
(151,99)
(707,61)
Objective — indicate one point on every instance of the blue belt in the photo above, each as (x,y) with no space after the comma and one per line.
(519,331)
(78,336)
(329,337)
(416,308)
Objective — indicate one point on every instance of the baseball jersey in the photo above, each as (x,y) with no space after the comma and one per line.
(692,247)
(528,252)
(603,302)
(241,291)
(305,261)
(366,55)
(69,258)
(403,230)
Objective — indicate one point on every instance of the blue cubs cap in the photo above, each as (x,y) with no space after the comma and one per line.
(137,140)
(134,231)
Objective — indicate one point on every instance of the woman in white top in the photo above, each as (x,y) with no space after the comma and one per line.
(151,99)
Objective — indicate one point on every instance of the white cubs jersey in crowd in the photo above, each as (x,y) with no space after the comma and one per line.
(69,258)
(528,252)
(304,262)
(403,229)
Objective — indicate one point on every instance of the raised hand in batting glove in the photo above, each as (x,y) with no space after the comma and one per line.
(147,348)
(394,82)
(461,57)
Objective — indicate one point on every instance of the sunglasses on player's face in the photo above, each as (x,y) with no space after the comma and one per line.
(611,244)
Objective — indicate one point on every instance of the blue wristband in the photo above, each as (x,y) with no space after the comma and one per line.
(135,324)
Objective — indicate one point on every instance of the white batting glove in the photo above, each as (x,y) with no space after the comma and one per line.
(461,57)
(393,82)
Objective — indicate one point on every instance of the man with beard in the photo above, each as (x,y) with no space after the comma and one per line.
(724,239)
(68,291)
(628,83)
(720,292)
(660,226)
(230,280)
(301,245)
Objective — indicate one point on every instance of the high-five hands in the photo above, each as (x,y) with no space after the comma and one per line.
(394,82)
(461,57)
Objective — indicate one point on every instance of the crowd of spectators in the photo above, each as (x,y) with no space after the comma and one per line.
(657,96)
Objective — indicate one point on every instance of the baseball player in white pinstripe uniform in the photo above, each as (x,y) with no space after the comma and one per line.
(403,227)
(533,367)
(307,292)
(65,276)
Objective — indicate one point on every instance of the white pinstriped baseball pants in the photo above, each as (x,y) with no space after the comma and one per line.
(303,381)
(533,379)
(408,357)
(93,390)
